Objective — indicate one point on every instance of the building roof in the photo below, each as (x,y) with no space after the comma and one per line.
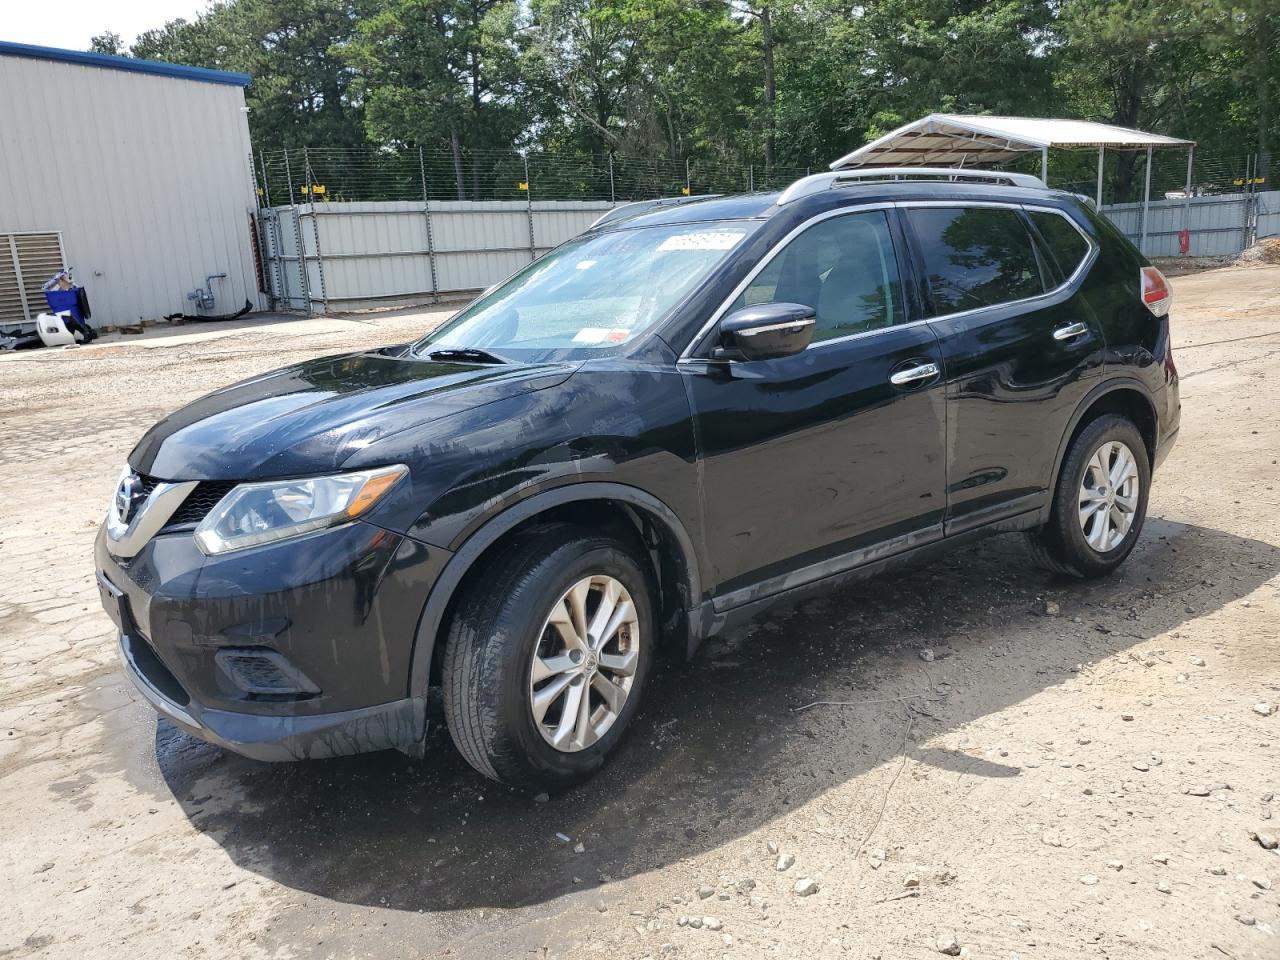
(946,139)
(109,62)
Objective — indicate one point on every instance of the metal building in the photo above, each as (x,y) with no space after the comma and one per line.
(136,174)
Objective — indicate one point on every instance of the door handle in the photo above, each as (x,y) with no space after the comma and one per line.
(913,374)
(1070,331)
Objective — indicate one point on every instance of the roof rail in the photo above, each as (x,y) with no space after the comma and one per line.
(637,207)
(826,181)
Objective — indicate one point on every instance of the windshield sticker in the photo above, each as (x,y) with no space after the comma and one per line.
(617,336)
(591,335)
(710,240)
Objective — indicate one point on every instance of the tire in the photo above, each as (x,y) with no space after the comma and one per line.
(1071,545)
(503,620)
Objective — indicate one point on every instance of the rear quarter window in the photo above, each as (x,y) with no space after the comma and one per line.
(975,257)
(1066,244)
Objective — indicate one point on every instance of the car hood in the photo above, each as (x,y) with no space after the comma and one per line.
(310,418)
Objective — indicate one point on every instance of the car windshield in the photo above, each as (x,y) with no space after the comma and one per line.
(590,296)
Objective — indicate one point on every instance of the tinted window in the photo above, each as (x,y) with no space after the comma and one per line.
(844,268)
(975,257)
(1065,243)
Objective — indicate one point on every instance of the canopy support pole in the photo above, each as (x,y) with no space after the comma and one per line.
(1146,204)
(1099,200)
(1186,209)
(1044,164)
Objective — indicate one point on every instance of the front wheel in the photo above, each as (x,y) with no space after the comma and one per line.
(1100,501)
(547,656)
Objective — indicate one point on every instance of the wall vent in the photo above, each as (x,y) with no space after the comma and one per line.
(27,260)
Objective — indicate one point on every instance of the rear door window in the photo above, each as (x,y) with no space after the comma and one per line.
(975,257)
(1066,244)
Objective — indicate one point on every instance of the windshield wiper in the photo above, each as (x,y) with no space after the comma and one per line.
(466,354)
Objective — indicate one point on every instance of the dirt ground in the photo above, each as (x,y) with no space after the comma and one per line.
(1035,767)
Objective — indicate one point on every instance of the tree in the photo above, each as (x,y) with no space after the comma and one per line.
(727,82)
(1200,69)
(108,42)
(301,92)
(423,72)
(1246,36)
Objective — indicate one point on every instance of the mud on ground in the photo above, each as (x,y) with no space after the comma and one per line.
(1029,765)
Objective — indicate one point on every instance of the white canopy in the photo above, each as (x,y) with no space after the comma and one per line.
(955,140)
(947,139)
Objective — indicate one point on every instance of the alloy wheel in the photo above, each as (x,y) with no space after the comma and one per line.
(585,663)
(1109,496)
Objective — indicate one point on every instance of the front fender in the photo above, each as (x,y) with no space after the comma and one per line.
(446,585)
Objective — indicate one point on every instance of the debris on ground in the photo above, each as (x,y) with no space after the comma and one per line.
(1265,251)
(1029,743)
(948,946)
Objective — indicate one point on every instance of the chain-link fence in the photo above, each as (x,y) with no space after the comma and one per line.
(371,174)
(349,227)
(427,173)
(1124,173)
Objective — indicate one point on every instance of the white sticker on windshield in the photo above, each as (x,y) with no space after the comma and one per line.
(709,240)
(591,335)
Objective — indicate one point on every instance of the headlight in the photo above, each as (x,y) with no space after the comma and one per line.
(256,513)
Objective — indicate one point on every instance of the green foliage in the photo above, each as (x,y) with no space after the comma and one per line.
(302,91)
(108,42)
(470,81)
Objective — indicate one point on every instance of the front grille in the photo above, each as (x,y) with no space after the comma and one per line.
(200,501)
(149,485)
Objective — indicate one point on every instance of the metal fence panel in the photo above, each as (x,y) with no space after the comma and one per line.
(1219,225)
(554,223)
(346,255)
(366,253)
(1268,224)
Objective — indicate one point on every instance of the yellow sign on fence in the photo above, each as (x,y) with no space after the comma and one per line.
(523,185)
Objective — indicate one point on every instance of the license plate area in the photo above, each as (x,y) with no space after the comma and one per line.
(113,601)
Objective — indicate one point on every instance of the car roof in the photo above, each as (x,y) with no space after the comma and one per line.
(762,206)
(745,206)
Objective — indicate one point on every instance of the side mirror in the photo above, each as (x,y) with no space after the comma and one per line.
(765,331)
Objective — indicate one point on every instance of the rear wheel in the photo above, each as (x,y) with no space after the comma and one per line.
(547,657)
(1100,501)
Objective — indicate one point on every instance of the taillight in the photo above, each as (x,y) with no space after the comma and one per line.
(1156,293)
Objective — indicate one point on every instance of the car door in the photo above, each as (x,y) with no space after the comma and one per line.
(1020,348)
(815,462)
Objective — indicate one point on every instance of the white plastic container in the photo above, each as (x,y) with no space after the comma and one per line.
(53,331)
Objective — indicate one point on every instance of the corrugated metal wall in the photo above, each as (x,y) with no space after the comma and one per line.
(372,254)
(1219,225)
(1268,214)
(146,177)
(368,254)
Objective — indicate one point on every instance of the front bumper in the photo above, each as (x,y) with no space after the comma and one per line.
(338,610)
(1163,447)
(400,725)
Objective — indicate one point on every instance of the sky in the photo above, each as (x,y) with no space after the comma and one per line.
(71,23)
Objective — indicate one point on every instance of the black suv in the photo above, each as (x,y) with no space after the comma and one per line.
(690,412)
